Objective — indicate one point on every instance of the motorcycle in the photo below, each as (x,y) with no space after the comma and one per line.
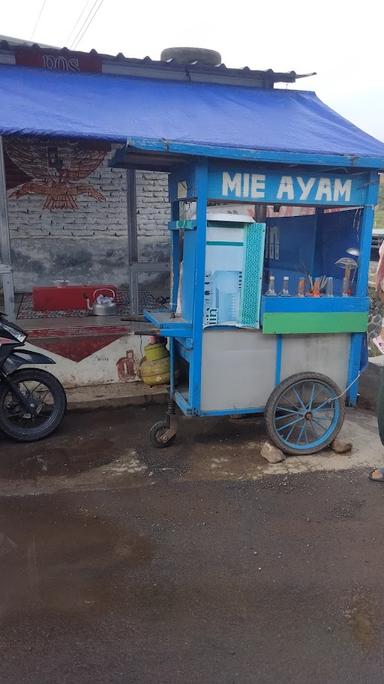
(32,401)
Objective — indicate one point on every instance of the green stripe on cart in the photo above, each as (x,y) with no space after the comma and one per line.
(220,243)
(296,323)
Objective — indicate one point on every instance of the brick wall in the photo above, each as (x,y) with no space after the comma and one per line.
(92,219)
(153,214)
(89,242)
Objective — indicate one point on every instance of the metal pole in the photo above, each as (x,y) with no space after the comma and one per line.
(260,213)
(5,243)
(132,242)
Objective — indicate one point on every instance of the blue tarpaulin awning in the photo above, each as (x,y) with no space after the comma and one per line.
(197,115)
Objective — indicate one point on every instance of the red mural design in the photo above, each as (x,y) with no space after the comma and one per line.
(126,367)
(76,343)
(75,348)
(54,170)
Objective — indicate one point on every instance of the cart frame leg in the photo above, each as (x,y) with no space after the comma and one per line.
(171,410)
(163,432)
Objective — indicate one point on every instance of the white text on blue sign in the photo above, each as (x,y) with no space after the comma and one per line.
(290,188)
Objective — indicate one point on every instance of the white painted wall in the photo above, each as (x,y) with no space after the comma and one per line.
(100,367)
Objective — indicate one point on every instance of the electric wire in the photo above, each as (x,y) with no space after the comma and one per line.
(90,22)
(79,19)
(91,8)
(84,30)
(37,22)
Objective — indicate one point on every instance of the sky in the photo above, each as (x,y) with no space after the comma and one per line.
(341,40)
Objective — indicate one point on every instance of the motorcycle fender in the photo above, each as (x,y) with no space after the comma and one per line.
(23,358)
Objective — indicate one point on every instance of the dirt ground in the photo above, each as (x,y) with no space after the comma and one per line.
(110,448)
(200,563)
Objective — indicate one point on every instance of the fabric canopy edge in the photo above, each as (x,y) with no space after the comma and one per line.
(259,154)
(214,151)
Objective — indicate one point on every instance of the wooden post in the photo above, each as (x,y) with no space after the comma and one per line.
(132,243)
(5,244)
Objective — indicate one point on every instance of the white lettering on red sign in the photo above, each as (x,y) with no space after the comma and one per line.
(61,63)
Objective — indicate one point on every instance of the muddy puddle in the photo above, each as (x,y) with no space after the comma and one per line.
(87,441)
(364,620)
(54,560)
(84,441)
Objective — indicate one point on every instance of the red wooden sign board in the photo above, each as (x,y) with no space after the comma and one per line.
(57,60)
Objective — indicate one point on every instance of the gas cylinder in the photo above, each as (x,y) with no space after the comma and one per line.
(154,366)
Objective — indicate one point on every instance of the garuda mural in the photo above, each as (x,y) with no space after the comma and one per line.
(54,170)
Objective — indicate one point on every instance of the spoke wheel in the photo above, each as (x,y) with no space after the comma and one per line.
(304,413)
(47,401)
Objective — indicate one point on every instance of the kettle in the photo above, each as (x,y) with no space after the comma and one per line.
(103,305)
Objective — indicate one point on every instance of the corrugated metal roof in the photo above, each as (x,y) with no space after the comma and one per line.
(12,42)
(169,69)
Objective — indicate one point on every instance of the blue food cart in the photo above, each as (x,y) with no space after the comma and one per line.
(288,351)
(269,308)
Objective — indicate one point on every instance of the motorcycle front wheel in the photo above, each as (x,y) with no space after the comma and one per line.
(47,396)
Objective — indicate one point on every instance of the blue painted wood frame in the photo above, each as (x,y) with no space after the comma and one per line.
(299,187)
(233,412)
(182,350)
(313,304)
(182,173)
(233,181)
(182,225)
(182,403)
(279,356)
(362,283)
(172,367)
(245,154)
(189,266)
(167,325)
(198,308)
(175,258)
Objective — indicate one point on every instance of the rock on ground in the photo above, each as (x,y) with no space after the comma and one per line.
(340,446)
(271,453)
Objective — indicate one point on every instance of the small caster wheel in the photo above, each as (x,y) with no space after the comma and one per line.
(161,435)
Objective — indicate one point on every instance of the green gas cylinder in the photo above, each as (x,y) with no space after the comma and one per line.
(154,366)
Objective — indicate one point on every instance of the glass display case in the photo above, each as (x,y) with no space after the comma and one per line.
(313,262)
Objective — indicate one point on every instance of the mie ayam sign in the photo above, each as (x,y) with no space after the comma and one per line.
(284,188)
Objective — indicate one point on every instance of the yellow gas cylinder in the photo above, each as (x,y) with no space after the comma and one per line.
(154,366)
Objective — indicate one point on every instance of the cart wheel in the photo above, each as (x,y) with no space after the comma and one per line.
(304,413)
(158,435)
